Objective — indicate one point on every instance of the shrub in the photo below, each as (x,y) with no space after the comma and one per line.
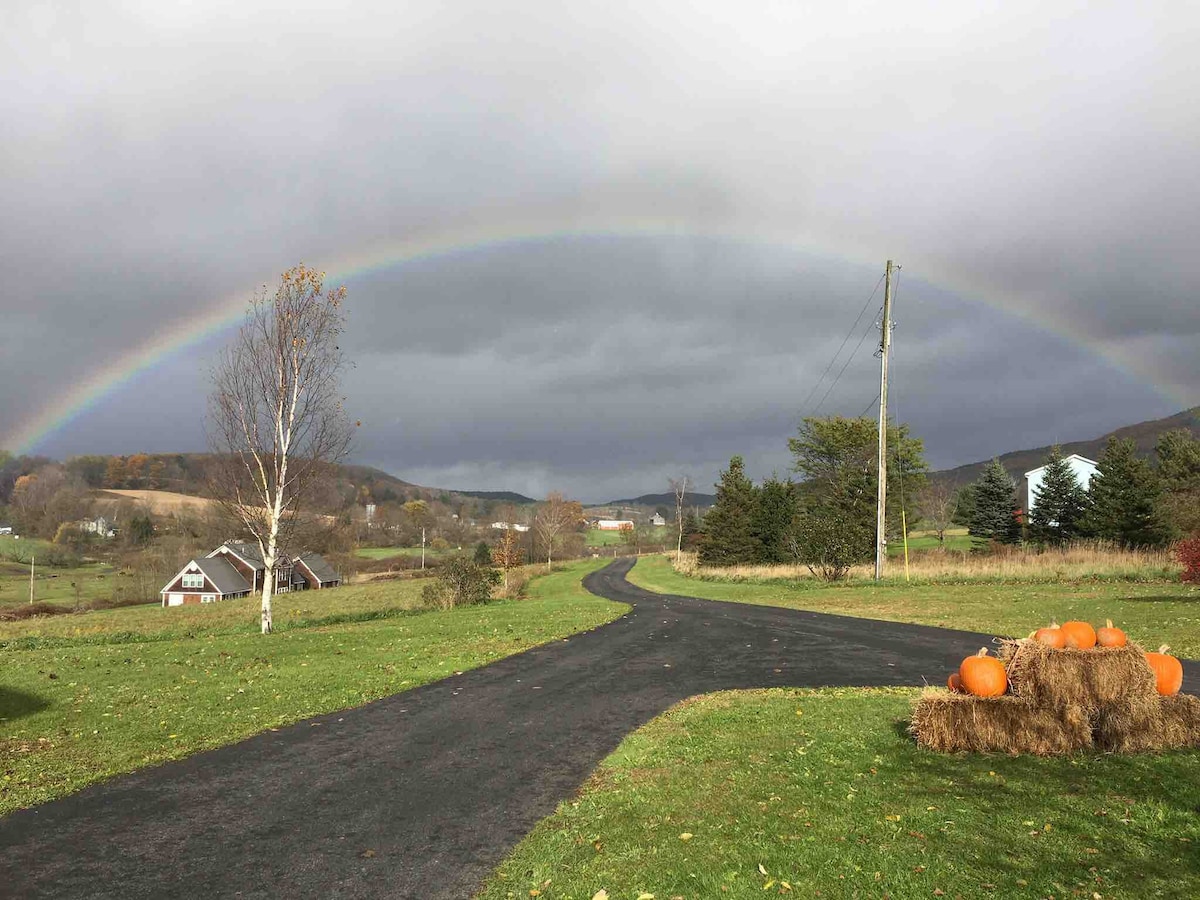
(462,582)
(1188,553)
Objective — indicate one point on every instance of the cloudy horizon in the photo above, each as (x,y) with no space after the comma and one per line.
(714,194)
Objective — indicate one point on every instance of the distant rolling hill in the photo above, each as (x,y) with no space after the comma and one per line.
(500,496)
(1144,435)
(667,500)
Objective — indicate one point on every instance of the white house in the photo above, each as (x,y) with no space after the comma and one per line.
(505,526)
(1082,468)
(657,521)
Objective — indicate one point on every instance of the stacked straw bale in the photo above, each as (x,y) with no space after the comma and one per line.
(1062,701)
(950,723)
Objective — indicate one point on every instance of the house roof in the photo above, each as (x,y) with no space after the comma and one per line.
(249,552)
(223,575)
(316,564)
(1090,462)
(220,572)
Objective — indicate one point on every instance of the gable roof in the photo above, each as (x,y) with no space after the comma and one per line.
(248,552)
(223,575)
(1084,459)
(220,572)
(316,564)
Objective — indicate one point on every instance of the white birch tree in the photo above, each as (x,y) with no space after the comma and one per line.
(679,487)
(276,419)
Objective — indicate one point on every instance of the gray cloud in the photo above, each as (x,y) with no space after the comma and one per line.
(157,159)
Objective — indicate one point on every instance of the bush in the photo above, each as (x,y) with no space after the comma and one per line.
(829,544)
(1188,553)
(462,582)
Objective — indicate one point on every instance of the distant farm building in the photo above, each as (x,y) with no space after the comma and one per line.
(505,526)
(657,521)
(6,529)
(98,526)
(1082,468)
(236,569)
(613,524)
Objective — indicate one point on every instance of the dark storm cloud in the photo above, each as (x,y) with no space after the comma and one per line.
(157,158)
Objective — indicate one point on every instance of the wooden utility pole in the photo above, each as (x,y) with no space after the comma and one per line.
(31,561)
(885,342)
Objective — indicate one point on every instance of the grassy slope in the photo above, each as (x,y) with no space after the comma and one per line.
(597,538)
(1151,612)
(117,690)
(824,791)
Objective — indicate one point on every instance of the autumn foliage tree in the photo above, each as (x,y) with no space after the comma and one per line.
(508,553)
(554,516)
(276,417)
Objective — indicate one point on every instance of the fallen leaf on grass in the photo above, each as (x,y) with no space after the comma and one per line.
(686,836)
(761,869)
(601,894)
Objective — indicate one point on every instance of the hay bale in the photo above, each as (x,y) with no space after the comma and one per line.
(1093,679)
(1168,723)
(950,723)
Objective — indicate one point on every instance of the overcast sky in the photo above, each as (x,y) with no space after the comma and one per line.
(725,186)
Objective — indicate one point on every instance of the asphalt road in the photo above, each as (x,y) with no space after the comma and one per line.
(421,794)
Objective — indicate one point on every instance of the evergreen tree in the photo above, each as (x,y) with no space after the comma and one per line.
(771,522)
(1179,476)
(483,554)
(1124,497)
(1059,503)
(728,538)
(995,514)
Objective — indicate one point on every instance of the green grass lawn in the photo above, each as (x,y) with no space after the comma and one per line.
(95,581)
(389,552)
(1153,613)
(87,696)
(597,538)
(956,539)
(822,794)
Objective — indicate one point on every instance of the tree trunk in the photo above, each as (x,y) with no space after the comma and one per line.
(268,580)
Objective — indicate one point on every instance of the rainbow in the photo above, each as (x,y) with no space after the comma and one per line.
(227,312)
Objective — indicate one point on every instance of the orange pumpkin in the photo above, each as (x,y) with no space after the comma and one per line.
(983,675)
(1168,671)
(954,683)
(1079,635)
(1051,636)
(1110,636)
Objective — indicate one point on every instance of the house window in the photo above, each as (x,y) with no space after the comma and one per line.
(193,581)
(208,598)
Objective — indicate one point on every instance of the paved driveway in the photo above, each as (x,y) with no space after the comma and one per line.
(423,793)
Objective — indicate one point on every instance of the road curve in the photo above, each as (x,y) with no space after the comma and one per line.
(421,794)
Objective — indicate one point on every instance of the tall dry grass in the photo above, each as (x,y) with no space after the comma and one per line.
(1075,563)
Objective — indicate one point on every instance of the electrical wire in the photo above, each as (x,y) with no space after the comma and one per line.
(846,365)
(842,346)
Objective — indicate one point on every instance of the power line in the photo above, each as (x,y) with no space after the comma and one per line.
(840,348)
(846,365)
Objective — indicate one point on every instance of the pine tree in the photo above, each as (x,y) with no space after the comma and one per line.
(1179,476)
(995,515)
(1059,504)
(1124,498)
(728,538)
(771,522)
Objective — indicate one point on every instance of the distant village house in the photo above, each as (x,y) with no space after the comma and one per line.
(657,521)
(505,526)
(236,569)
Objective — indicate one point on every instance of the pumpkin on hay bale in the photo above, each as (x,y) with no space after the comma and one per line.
(949,723)
(1093,679)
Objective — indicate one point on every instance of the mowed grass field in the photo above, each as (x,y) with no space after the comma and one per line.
(51,584)
(597,538)
(821,793)
(919,541)
(389,552)
(1151,612)
(87,696)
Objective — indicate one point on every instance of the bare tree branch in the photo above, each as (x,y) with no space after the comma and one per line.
(276,418)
